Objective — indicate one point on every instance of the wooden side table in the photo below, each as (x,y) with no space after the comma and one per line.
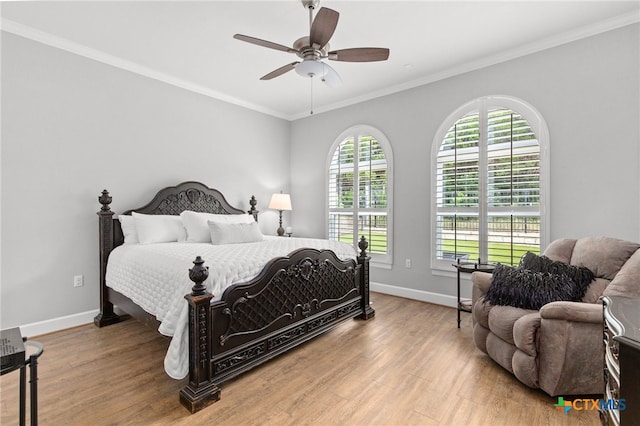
(464,305)
(13,355)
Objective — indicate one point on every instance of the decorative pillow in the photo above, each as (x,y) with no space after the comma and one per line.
(198,229)
(581,275)
(528,289)
(234,233)
(128,225)
(153,228)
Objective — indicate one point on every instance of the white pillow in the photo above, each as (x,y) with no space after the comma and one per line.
(128,225)
(155,228)
(197,228)
(234,233)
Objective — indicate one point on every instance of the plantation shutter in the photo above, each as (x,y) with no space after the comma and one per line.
(488,189)
(341,187)
(458,191)
(358,190)
(372,190)
(513,186)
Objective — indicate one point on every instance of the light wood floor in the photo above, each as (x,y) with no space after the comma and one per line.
(409,365)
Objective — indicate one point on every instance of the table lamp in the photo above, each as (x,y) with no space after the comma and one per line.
(280,202)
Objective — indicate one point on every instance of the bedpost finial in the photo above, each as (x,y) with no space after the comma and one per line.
(198,274)
(105,199)
(363,244)
(253,211)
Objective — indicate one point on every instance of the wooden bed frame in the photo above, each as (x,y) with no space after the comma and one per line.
(292,300)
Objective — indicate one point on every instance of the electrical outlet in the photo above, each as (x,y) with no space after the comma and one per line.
(78,281)
(407,263)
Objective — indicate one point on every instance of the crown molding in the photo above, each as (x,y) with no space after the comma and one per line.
(97,55)
(100,56)
(528,49)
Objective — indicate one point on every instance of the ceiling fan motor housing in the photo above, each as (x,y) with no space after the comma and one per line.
(304,49)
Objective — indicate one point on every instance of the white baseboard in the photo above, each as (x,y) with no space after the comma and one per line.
(69,321)
(57,324)
(409,293)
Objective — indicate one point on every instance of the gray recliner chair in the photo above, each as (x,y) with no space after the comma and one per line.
(558,348)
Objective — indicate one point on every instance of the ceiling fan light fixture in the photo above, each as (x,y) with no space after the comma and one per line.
(311,68)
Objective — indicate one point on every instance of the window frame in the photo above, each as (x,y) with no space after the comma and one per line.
(377,260)
(482,106)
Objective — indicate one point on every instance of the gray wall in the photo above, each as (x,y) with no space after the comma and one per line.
(588,93)
(72,127)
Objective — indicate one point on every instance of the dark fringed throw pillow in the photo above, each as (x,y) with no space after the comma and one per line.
(580,275)
(546,281)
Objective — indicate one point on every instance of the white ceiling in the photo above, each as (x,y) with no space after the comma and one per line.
(190,44)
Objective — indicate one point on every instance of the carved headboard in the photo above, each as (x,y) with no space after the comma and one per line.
(173,200)
(193,196)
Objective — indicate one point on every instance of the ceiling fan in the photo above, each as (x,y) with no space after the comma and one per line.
(312,49)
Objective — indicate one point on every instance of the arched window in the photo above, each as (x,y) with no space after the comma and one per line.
(359,195)
(489,193)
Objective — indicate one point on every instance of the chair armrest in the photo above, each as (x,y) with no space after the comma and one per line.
(481,282)
(570,352)
(573,311)
(525,332)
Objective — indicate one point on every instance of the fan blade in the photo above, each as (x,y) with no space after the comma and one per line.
(331,77)
(264,43)
(280,71)
(323,27)
(360,54)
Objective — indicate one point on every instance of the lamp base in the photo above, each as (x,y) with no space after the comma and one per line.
(280,228)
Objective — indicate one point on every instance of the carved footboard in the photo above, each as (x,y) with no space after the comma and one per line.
(292,300)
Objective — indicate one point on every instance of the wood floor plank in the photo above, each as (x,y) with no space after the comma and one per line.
(410,365)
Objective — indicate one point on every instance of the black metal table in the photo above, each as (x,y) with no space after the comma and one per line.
(464,305)
(12,347)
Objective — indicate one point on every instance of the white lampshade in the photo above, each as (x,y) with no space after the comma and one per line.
(311,68)
(280,202)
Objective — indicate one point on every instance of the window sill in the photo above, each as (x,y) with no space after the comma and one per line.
(380,265)
(449,273)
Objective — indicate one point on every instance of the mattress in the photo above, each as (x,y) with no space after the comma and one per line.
(156,278)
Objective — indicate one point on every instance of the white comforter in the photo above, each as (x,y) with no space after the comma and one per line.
(155,276)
